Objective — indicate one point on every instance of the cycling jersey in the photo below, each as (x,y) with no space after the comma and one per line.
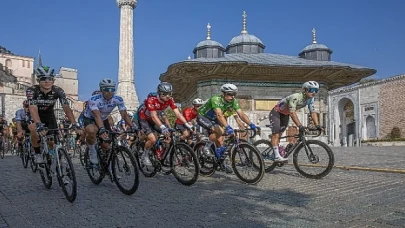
(80,119)
(294,102)
(97,102)
(22,116)
(189,114)
(45,101)
(215,102)
(153,103)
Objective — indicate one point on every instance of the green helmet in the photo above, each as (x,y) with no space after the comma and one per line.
(44,71)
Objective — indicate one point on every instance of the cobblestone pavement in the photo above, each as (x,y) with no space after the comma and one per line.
(281,199)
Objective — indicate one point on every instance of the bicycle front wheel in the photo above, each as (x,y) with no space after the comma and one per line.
(124,166)
(248,156)
(66,175)
(184,164)
(2,148)
(319,157)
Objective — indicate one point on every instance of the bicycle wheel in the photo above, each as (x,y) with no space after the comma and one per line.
(45,172)
(266,149)
(207,164)
(22,155)
(307,152)
(81,152)
(126,166)
(182,156)
(93,171)
(66,175)
(247,155)
(146,170)
(33,165)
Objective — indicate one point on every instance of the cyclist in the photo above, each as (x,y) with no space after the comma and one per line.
(3,127)
(211,117)
(190,114)
(149,120)
(81,138)
(96,119)
(286,108)
(22,118)
(13,132)
(41,99)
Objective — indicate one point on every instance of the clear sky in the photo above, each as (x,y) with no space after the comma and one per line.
(84,34)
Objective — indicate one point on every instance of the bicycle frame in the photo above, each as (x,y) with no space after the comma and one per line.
(301,140)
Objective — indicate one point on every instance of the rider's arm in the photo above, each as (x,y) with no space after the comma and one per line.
(314,115)
(33,108)
(179,115)
(127,119)
(220,116)
(243,116)
(65,105)
(239,121)
(292,107)
(166,120)
(155,118)
(93,106)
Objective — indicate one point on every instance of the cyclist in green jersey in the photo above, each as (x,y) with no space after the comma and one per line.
(211,116)
(286,108)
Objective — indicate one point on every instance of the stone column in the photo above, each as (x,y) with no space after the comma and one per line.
(126,76)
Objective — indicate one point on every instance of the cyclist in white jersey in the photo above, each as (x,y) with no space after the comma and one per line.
(96,115)
(286,108)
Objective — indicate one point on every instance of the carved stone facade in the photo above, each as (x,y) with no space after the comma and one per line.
(21,66)
(126,76)
(366,111)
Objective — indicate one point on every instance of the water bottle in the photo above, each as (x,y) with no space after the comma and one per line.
(160,150)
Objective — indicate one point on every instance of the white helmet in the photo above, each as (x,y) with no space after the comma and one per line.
(106,83)
(310,85)
(198,101)
(229,88)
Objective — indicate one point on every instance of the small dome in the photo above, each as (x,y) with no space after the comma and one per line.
(205,43)
(312,47)
(245,38)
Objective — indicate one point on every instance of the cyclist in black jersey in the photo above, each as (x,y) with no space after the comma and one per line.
(42,99)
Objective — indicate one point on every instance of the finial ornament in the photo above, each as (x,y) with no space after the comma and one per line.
(314,36)
(131,3)
(244,30)
(208,31)
(189,57)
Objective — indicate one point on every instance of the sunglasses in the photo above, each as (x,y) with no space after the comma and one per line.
(108,89)
(165,94)
(46,79)
(313,90)
(230,94)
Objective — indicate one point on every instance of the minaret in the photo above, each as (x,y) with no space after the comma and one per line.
(126,76)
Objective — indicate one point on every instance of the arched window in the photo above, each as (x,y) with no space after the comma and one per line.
(23,63)
(28,64)
(9,63)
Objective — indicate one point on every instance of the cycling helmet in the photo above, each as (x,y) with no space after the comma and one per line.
(229,88)
(44,71)
(106,83)
(310,85)
(95,92)
(165,87)
(25,103)
(198,101)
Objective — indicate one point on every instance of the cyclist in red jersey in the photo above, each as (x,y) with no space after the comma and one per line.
(189,114)
(149,114)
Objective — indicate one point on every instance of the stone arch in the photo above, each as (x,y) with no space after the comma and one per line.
(345,121)
(371,127)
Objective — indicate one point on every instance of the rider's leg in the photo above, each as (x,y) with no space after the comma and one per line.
(278,123)
(91,133)
(34,143)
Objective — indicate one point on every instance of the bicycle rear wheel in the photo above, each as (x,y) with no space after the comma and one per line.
(123,162)
(207,164)
(183,156)
(266,149)
(66,175)
(246,154)
(94,172)
(307,153)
